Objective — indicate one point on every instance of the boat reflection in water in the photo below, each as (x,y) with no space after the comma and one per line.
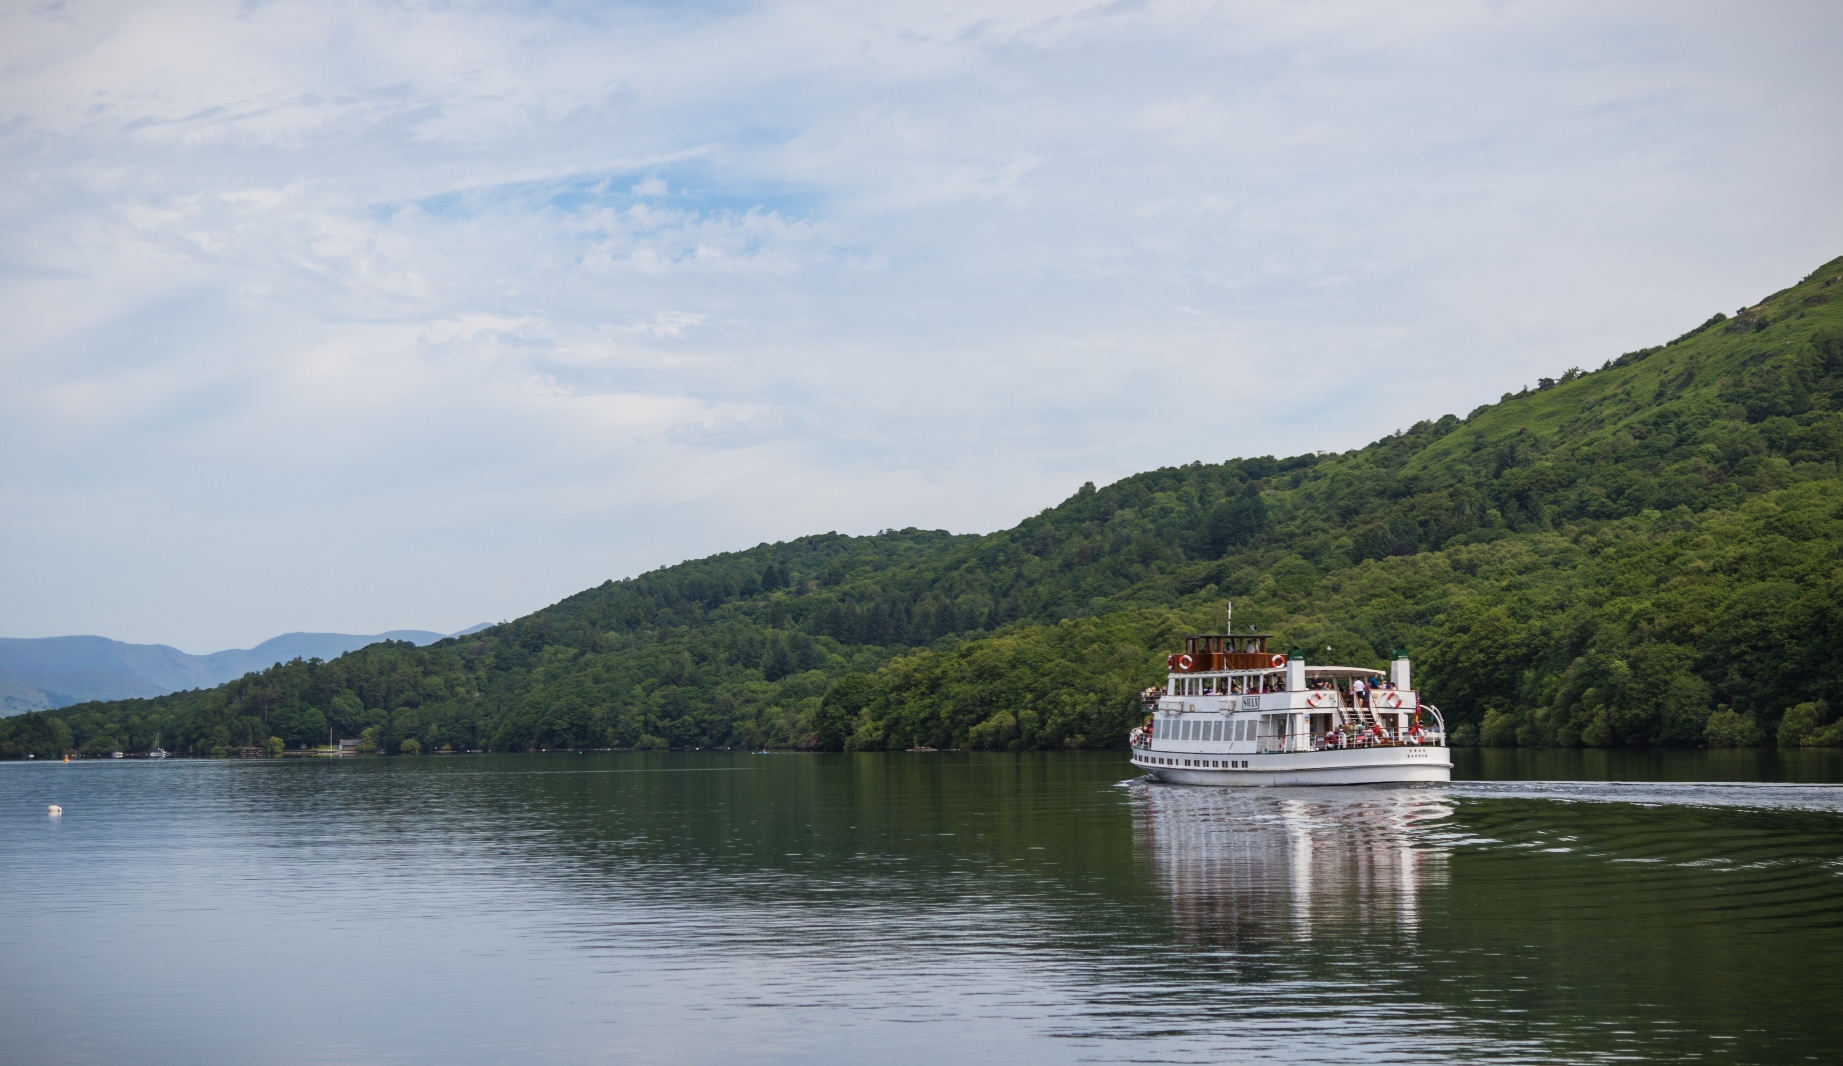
(1251,867)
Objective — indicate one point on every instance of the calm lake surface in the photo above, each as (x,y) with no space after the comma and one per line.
(735,908)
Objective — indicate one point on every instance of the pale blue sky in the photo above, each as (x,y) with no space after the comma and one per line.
(349,316)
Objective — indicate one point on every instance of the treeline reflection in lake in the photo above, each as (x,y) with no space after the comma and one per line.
(700,907)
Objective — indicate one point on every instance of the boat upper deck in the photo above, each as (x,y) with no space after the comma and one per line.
(1217,652)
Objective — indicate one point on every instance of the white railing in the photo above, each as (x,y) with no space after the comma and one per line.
(1292,743)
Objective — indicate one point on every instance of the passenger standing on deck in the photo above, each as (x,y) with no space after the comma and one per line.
(1358,692)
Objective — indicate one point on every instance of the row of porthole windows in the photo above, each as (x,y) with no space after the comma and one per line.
(1200,764)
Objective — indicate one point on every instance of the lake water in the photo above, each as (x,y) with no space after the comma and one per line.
(734,908)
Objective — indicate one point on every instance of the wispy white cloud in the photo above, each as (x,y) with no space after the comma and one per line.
(352,315)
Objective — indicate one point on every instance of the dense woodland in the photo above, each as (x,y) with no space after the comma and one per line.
(1645,553)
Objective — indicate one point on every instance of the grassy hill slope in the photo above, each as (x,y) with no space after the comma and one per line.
(1642,553)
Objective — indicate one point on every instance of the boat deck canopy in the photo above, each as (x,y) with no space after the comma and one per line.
(1341,671)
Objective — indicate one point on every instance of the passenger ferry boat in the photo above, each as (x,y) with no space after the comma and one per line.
(1232,712)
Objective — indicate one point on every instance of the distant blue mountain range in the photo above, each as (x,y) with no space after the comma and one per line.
(45,672)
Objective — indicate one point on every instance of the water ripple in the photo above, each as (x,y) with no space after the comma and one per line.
(723,907)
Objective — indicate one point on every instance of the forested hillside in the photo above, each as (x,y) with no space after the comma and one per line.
(1642,553)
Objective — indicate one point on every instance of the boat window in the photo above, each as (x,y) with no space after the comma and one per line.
(1215,730)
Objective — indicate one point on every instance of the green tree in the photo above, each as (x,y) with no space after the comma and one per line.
(1803,724)
(1237,521)
(1729,729)
(838,711)
(101,745)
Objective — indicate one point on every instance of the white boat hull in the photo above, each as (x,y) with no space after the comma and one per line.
(1346,766)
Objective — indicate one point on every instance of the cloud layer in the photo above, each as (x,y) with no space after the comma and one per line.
(348,316)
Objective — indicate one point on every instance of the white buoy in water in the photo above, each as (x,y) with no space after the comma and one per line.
(54,810)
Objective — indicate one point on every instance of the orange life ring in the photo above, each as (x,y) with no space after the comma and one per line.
(1317,698)
(1180,661)
(1279,661)
(1393,699)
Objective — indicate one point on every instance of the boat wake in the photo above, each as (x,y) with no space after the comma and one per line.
(1766,796)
